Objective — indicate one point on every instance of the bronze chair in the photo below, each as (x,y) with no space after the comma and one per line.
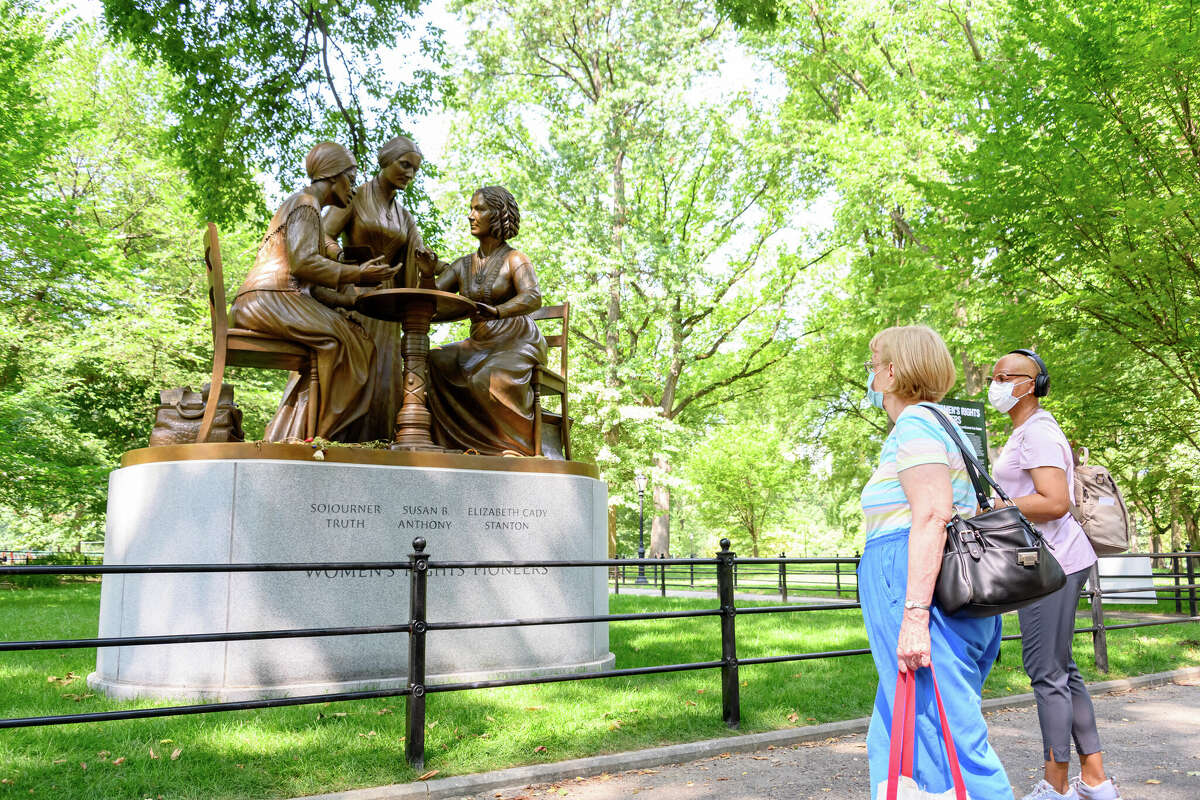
(547,381)
(238,347)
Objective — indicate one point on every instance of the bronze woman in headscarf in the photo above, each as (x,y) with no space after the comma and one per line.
(376,222)
(479,393)
(276,299)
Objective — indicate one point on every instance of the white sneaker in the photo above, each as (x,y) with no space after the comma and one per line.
(1044,791)
(1105,791)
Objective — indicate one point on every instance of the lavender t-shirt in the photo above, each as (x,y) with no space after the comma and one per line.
(1039,442)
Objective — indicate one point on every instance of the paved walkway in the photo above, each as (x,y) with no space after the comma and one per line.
(1151,736)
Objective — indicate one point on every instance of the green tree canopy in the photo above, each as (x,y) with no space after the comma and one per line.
(102,289)
(257,84)
(652,203)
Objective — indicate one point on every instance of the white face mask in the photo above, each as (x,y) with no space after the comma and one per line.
(1000,395)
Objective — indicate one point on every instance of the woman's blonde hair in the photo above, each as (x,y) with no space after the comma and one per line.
(924,369)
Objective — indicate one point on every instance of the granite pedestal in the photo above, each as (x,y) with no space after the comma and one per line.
(275,503)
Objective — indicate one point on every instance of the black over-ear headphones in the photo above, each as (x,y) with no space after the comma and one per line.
(1041,384)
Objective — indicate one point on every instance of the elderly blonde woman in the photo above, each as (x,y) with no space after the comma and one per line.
(921,482)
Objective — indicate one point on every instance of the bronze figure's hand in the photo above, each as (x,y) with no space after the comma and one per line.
(376,271)
(427,261)
(333,298)
(484,311)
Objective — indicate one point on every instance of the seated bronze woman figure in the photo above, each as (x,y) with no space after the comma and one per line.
(276,299)
(480,394)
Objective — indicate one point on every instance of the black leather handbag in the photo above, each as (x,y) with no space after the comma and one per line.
(996,561)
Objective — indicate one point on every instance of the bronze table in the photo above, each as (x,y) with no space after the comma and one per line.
(416,310)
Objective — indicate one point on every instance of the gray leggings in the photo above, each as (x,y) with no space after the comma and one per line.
(1063,703)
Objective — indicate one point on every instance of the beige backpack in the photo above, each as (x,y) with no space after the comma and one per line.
(1099,508)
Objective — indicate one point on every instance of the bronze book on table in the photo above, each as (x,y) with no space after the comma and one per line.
(357,254)
(397,252)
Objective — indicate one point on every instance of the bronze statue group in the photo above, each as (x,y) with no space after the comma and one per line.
(329,242)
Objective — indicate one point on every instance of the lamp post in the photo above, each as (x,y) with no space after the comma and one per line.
(640,480)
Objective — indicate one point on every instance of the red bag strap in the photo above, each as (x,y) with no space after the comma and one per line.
(903,746)
(960,788)
(903,712)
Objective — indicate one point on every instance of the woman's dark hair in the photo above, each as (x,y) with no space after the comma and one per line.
(506,217)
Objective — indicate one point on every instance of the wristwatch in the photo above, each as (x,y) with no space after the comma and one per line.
(914,604)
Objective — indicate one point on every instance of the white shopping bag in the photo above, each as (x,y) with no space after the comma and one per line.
(909,790)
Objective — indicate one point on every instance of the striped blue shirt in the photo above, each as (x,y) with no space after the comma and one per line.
(917,438)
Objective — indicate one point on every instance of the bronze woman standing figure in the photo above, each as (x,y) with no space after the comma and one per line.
(480,394)
(375,220)
(276,299)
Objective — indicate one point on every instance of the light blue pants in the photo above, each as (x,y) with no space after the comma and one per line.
(963,653)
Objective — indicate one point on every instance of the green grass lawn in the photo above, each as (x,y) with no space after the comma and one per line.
(312,749)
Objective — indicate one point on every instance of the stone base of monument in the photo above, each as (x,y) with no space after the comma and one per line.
(255,503)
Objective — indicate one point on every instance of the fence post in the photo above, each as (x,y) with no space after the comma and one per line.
(1178,593)
(837,569)
(1191,579)
(731,706)
(857,558)
(735,572)
(692,573)
(783,575)
(662,574)
(617,576)
(414,708)
(1099,633)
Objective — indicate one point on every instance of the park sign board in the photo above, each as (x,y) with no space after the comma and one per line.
(969,416)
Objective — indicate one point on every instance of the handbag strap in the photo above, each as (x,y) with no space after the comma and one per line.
(904,746)
(975,470)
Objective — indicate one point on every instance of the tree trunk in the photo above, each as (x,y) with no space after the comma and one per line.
(660,530)
(612,335)
(612,316)
(973,375)
(660,536)
(1155,530)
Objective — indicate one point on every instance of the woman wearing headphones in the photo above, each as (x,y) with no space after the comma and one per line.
(1036,470)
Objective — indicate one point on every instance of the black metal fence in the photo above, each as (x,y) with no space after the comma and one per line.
(801,577)
(724,567)
(56,556)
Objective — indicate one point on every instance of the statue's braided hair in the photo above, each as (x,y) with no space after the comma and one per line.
(506,217)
